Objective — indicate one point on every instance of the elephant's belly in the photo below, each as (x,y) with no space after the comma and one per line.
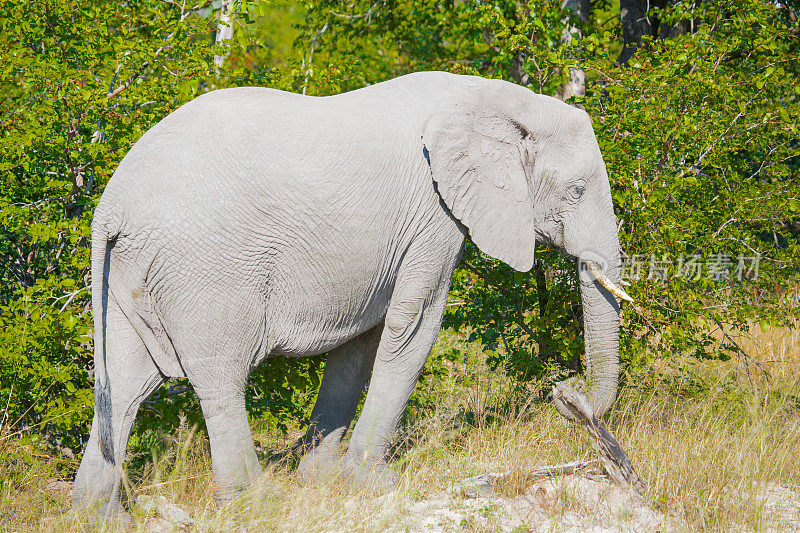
(313,339)
(317,299)
(310,326)
(279,297)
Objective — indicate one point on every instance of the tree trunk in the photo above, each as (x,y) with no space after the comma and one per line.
(637,22)
(635,25)
(224,30)
(577,77)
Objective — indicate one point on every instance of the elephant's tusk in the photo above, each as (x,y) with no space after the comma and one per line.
(624,283)
(598,274)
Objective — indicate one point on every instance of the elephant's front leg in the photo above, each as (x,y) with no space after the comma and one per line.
(346,372)
(412,323)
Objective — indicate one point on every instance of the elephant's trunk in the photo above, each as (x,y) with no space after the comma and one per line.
(601,337)
(599,275)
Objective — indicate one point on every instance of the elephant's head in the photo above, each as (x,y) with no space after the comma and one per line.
(515,167)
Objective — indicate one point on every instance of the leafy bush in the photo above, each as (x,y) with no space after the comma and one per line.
(704,154)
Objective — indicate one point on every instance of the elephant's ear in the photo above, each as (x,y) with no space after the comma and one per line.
(480,160)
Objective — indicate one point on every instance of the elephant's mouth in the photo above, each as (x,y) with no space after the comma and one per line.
(597,272)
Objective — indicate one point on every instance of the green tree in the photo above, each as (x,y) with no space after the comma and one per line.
(80,83)
(704,154)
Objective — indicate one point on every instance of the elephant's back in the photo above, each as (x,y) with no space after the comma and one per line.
(259,128)
(250,142)
(189,142)
(258,171)
(271,138)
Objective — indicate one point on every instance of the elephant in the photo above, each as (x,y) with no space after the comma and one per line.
(252,223)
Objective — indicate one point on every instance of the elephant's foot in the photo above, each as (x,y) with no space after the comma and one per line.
(318,465)
(97,510)
(258,495)
(322,464)
(225,494)
(374,476)
(102,517)
(121,520)
(259,491)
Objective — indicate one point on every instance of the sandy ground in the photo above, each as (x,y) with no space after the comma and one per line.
(576,504)
(584,503)
(573,503)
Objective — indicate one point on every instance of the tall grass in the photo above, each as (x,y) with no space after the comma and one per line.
(711,440)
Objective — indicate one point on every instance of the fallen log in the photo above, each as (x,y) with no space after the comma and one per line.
(613,458)
(485,483)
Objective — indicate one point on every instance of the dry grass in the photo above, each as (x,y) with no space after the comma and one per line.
(708,440)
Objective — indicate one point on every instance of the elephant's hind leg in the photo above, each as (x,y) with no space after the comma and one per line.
(346,372)
(132,377)
(216,348)
(233,455)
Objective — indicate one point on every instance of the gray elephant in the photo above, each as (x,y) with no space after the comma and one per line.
(252,223)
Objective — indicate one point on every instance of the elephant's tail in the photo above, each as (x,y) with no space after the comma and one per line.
(102,243)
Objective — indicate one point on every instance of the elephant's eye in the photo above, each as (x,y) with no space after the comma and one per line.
(577,191)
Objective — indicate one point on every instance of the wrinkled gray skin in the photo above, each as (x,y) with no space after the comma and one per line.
(252,223)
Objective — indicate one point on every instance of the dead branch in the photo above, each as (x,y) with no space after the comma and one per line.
(612,456)
(485,483)
(747,359)
(311,56)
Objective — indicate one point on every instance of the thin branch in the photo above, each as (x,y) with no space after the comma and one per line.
(311,56)
(710,147)
(168,394)
(744,354)
(146,64)
(133,77)
(366,15)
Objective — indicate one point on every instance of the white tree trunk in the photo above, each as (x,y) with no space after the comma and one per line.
(224,30)
(577,77)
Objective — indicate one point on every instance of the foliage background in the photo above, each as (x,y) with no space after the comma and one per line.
(698,132)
